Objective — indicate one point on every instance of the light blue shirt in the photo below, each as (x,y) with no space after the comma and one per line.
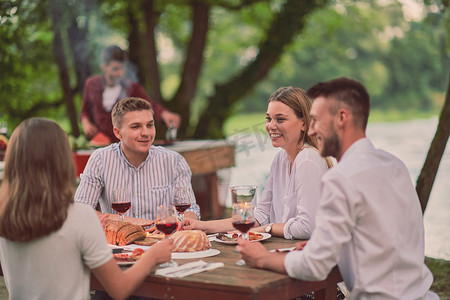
(151,183)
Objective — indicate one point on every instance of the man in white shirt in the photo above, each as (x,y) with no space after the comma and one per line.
(151,173)
(369,220)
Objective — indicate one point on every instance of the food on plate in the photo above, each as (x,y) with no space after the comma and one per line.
(227,238)
(123,257)
(135,221)
(137,253)
(100,140)
(129,257)
(148,241)
(155,235)
(190,241)
(123,233)
(253,236)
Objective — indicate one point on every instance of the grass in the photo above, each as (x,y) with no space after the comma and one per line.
(441,272)
(251,122)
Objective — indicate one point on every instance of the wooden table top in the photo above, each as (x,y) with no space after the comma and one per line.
(233,281)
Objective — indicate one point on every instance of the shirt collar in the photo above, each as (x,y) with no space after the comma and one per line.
(122,156)
(361,144)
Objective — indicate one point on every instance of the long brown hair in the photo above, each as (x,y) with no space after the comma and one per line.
(300,103)
(38,183)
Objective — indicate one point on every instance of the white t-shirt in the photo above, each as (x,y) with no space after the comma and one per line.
(292,196)
(56,266)
(111,96)
(369,222)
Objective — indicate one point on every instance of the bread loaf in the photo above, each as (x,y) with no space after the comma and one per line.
(190,241)
(122,233)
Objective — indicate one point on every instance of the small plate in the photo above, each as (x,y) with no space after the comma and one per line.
(196,254)
(124,263)
(265,237)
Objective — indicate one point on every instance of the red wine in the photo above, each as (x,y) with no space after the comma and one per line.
(121,207)
(181,207)
(167,228)
(243,226)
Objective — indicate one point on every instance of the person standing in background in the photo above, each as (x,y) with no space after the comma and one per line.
(101,92)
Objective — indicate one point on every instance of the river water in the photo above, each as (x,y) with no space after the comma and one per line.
(408,140)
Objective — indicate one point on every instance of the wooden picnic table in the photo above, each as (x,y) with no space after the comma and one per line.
(233,281)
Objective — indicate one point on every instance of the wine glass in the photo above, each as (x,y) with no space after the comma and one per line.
(243,193)
(166,222)
(243,220)
(121,201)
(181,200)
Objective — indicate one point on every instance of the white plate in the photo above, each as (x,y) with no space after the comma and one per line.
(125,263)
(196,254)
(265,237)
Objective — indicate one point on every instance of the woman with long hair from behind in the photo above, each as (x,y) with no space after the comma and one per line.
(48,243)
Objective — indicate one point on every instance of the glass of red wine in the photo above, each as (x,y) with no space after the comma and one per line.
(182,200)
(166,222)
(243,220)
(121,201)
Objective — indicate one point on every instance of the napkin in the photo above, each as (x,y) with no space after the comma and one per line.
(188,269)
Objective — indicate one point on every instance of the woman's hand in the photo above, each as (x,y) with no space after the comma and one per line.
(162,250)
(192,224)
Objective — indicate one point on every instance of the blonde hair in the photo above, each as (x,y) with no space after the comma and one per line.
(38,184)
(127,105)
(298,100)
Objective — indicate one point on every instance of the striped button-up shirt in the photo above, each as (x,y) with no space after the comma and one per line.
(151,184)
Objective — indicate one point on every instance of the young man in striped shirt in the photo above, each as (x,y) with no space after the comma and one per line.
(150,172)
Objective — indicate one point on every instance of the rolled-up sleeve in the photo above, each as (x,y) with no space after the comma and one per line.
(183,179)
(91,184)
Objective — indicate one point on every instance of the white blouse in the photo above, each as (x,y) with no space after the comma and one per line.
(292,196)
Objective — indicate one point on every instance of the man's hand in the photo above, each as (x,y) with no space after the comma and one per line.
(256,255)
(102,217)
(300,245)
(171,119)
(89,129)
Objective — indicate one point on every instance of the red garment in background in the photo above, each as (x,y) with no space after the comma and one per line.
(92,103)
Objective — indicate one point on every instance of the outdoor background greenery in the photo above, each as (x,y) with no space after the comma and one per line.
(400,56)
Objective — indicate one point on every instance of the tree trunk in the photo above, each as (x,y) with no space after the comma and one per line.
(61,61)
(154,78)
(430,167)
(286,25)
(137,70)
(78,47)
(193,64)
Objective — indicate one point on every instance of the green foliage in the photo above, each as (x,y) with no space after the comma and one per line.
(441,273)
(403,63)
